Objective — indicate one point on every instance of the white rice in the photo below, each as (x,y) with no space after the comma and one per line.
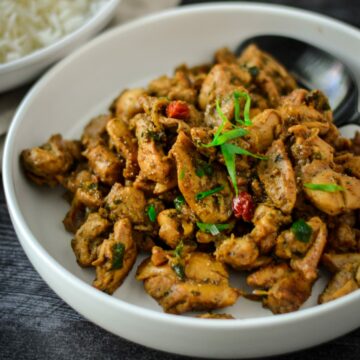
(28,25)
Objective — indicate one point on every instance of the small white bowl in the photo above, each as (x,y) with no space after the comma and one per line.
(83,85)
(24,69)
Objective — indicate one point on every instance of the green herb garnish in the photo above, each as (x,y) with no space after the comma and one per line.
(179,201)
(229,151)
(179,249)
(213,229)
(204,194)
(182,174)
(151,212)
(237,95)
(301,230)
(179,271)
(324,187)
(227,136)
(118,255)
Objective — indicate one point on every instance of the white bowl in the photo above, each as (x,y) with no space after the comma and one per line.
(24,69)
(83,85)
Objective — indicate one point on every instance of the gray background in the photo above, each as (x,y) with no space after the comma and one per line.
(36,324)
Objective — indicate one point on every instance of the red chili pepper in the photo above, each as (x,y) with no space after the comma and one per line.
(178,110)
(243,206)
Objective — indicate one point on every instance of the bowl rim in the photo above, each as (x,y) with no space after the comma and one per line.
(105,11)
(25,234)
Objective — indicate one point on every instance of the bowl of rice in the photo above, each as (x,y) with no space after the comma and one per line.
(34,34)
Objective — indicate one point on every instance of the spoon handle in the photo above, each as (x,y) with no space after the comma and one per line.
(355,120)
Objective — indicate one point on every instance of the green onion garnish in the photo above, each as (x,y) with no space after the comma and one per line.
(225,137)
(324,187)
(151,212)
(229,151)
(179,249)
(179,201)
(182,174)
(301,230)
(213,229)
(237,95)
(118,255)
(179,271)
(204,194)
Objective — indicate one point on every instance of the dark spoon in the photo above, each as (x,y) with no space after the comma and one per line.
(314,68)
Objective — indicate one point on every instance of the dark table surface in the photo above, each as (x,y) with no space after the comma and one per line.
(36,324)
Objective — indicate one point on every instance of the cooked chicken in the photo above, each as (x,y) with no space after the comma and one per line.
(278,177)
(196,282)
(125,144)
(48,163)
(215,208)
(105,164)
(332,203)
(88,237)
(115,258)
(222,164)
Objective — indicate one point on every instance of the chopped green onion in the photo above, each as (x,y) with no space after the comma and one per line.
(324,187)
(118,255)
(229,151)
(213,229)
(237,95)
(204,194)
(179,201)
(179,249)
(301,230)
(179,271)
(151,212)
(182,174)
(229,135)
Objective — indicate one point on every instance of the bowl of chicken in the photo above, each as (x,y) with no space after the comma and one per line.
(193,195)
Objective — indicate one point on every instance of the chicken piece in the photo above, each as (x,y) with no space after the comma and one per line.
(95,131)
(154,165)
(277,175)
(178,87)
(308,264)
(287,245)
(127,104)
(50,162)
(126,201)
(271,77)
(174,227)
(75,217)
(216,316)
(295,110)
(225,56)
(220,83)
(332,203)
(240,253)
(351,165)
(267,276)
(105,164)
(125,144)
(342,233)
(215,208)
(116,257)
(202,284)
(309,146)
(88,237)
(267,221)
(337,262)
(286,289)
(341,284)
(201,136)
(266,128)
(288,294)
